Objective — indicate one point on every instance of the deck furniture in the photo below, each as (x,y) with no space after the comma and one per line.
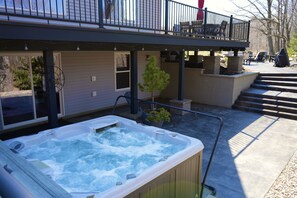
(197,28)
(185,28)
(222,29)
(212,29)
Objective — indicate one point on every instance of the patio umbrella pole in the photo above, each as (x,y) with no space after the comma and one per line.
(189,111)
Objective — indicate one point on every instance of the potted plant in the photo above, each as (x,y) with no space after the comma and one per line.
(158,116)
(154,79)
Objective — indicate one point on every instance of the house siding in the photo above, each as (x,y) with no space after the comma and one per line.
(79,67)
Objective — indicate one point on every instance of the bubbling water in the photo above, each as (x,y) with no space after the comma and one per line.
(95,162)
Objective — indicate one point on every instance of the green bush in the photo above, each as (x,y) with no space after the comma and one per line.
(158,115)
(22,79)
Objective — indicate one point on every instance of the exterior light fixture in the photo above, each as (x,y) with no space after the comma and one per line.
(165,49)
(77,48)
(26,47)
(142,49)
(115,48)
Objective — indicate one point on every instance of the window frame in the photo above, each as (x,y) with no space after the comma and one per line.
(125,71)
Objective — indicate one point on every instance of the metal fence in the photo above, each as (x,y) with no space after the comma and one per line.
(156,16)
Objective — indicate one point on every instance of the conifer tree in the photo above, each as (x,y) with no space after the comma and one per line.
(154,79)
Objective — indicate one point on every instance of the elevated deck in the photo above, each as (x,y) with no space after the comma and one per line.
(130,24)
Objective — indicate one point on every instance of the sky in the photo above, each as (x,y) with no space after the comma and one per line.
(220,6)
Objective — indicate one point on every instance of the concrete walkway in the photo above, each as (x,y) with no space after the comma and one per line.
(252,152)
(269,68)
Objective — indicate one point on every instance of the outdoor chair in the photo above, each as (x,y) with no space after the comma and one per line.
(260,57)
(185,28)
(222,29)
(197,27)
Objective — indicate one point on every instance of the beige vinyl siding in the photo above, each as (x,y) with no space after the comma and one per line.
(80,66)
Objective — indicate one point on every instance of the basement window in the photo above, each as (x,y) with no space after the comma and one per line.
(122,70)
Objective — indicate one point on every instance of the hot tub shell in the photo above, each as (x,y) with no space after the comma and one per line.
(178,176)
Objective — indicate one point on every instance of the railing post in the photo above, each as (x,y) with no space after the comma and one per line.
(248,33)
(166,15)
(100,13)
(231,28)
(205,21)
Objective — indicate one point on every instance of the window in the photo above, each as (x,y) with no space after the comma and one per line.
(122,70)
(23,89)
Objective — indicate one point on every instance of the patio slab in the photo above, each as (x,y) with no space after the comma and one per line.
(252,151)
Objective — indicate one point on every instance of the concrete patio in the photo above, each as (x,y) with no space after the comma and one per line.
(252,151)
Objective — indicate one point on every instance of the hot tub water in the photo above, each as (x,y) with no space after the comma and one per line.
(97,161)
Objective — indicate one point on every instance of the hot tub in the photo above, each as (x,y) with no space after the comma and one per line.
(104,157)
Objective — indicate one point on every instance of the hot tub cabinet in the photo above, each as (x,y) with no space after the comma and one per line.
(176,175)
(181,181)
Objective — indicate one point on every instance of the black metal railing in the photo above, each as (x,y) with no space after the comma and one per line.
(155,16)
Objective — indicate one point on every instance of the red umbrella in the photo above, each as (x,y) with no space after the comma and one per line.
(200,15)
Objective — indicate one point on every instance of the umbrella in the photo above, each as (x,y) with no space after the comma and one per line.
(200,15)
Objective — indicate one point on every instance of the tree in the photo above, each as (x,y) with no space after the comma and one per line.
(292,47)
(275,16)
(22,79)
(154,78)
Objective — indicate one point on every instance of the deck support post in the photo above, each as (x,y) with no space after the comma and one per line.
(181,75)
(234,64)
(134,82)
(181,102)
(48,60)
(211,53)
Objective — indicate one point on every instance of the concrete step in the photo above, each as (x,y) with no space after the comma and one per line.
(274,87)
(274,101)
(282,97)
(273,78)
(278,83)
(266,112)
(278,108)
(278,74)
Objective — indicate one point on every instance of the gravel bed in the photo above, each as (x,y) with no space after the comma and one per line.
(286,184)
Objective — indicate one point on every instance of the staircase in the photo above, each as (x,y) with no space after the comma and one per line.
(271,94)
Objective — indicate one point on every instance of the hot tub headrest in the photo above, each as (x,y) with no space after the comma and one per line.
(16,146)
